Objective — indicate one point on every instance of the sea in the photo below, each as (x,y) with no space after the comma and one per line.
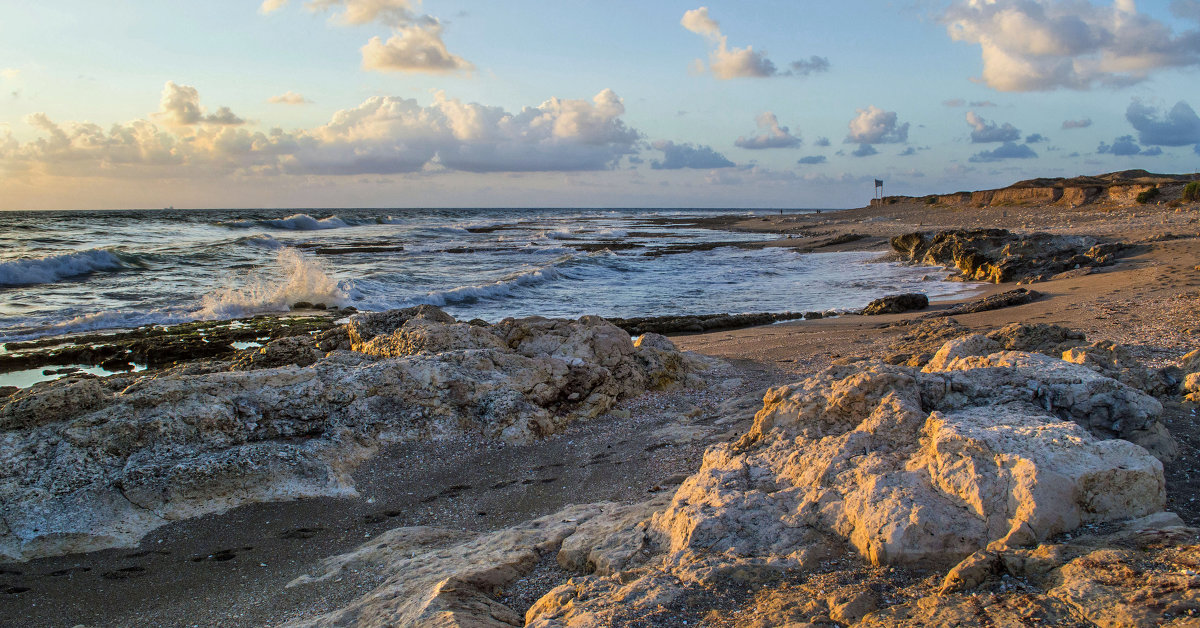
(73,271)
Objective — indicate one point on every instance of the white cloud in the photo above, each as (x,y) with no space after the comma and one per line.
(773,136)
(271,6)
(180,106)
(876,126)
(1178,127)
(289,98)
(729,63)
(983,131)
(687,155)
(1007,150)
(383,135)
(413,48)
(355,12)
(1036,45)
(415,44)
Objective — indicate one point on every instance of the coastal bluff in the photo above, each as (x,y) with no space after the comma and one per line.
(1115,188)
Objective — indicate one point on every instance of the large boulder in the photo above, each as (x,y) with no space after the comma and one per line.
(897,304)
(998,256)
(85,465)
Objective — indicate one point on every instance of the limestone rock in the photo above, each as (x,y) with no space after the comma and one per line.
(199,438)
(294,350)
(999,256)
(896,304)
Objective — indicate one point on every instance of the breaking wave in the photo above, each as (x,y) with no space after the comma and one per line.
(303,279)
(295,222)
(36,270)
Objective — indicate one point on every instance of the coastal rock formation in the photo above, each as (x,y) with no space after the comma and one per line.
(90,463)
(896,304)
(999,256)
(976,464)
(905,467)
(1012,298)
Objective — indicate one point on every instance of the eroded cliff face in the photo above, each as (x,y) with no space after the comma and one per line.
(1117,188)
(87,464)
(868,494)
(999,255)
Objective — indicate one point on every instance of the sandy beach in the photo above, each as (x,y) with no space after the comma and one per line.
(233,568)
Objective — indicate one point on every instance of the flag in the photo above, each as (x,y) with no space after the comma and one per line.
(878,183)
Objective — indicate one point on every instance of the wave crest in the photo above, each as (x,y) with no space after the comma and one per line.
(295,222)
(52,268)
(304,279)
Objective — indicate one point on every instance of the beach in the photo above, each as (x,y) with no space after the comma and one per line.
(626,450)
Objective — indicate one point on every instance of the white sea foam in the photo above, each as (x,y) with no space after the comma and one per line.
(30,271)
(303,279)
(295,222)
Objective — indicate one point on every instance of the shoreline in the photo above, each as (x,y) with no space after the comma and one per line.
(1148,301)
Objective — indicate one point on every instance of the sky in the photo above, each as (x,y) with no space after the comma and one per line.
(614,103)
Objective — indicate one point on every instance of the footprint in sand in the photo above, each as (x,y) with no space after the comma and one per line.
(301,533)
(124,573)
(220,556)
(68,571)
(13,589)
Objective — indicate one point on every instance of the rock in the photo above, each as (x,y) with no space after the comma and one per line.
(999,256)
(811,316)
(1037,337)
(292,351)
(699,323)
(199,438)
(896,304)
(1020,296)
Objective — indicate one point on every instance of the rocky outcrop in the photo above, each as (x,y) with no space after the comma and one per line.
(896,304)
(1012,298)
(91,463)
(700,323)
(999,256)
(976,466)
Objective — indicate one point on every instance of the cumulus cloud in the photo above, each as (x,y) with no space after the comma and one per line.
(1077,124)
(288,98)
(415,44)
(729,63)
(1186,9)
(864,150)
(687,155)
(1007,150)
(180,106)
(1038,45)
(1126,146)
(413,48)
(822,141)
(1178,127)
(811,160)
(383,135)
(772,136)
(983,131)
(876,126)
(1036,138)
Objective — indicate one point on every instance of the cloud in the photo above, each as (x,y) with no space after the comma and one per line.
(983,132)
(955,102)
(773,136)
(1036,138)
(383,135)
(1186,9)
(1040,45)
(1077,124)
(1178,127)
(1007,150)
(271,6)
(811,160)
(676,156)
(813,65)
(821,141)
(876,126)
(415,44)
(1125,146)
(907,152)
(180,106)
(413,48)
(979,104)
(288,98)
(729,63)
(864,150)
(9,73)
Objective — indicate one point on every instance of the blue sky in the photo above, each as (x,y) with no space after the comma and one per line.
(396,103)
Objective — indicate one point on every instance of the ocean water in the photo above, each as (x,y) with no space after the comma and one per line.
(76,271)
